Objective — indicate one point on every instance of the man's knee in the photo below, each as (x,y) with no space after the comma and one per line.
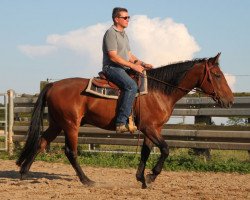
(132,87)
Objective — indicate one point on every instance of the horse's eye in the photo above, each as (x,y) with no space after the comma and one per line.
(216,75)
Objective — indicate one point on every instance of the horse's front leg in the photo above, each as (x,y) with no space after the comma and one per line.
(145,152)
(159,141)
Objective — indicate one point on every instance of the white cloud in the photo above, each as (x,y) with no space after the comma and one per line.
(34,51)
(161,41)
(157,41)
(86,42)
(231,80)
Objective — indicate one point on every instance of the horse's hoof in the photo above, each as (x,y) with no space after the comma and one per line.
(91,183)
(88,183)
(150,178)
(144,186)
(23,174)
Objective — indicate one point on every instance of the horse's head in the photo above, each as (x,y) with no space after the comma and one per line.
(214,84)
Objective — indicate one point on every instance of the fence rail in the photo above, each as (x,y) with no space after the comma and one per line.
(199,107)
(204,139)
(187,106)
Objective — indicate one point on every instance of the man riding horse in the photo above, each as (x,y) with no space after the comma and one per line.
(117,60)
(166,85)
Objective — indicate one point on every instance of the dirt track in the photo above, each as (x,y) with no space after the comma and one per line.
(58,181)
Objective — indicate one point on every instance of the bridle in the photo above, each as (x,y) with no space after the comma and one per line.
(207,75)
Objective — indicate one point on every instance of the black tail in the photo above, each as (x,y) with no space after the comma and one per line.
(34,131)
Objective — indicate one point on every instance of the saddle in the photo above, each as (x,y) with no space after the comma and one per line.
(103,82)
(102,87)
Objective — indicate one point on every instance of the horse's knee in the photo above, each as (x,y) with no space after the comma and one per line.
(165,151)
(69,153)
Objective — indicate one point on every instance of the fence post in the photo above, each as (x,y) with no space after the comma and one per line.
(197,151)
(10,120)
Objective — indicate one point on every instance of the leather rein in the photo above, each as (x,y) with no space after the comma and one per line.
(207,75)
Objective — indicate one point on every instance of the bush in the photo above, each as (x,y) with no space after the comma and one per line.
(179,159)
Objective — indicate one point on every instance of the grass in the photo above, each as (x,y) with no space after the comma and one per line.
(178,160)
(2,142)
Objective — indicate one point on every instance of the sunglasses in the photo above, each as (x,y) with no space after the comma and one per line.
(125,18)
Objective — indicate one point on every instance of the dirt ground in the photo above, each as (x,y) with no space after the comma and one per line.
(58,181)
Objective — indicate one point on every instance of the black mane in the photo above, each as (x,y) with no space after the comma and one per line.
(172,74)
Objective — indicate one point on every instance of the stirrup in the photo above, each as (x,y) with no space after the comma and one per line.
(131,124)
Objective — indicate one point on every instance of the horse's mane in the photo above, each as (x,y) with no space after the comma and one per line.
(172,74)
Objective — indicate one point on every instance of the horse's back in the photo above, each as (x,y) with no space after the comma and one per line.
(68,86)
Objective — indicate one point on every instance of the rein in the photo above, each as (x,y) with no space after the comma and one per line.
(207,74)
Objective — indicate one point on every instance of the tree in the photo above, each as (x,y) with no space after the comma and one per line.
(239,121)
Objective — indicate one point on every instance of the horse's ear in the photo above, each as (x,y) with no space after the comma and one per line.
(216,58)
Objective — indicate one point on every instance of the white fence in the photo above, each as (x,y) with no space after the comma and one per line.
(202,108)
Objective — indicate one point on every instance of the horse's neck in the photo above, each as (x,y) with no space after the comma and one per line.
(177,95)
(188,83)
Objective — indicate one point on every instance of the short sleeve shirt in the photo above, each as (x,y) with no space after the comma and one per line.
(115,40)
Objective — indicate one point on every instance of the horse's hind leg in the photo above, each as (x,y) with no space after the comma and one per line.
(48,136)
(71,140)
(145,152)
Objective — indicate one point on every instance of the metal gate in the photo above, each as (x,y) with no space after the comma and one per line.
(3,121)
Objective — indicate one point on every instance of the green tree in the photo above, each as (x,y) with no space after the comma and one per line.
(239,121)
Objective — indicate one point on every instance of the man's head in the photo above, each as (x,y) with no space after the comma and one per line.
(120,17)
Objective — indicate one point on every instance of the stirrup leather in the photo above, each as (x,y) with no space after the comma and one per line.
(131,124)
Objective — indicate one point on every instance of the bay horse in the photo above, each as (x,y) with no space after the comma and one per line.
(69,107)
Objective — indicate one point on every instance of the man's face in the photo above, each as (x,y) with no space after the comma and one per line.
(123,19)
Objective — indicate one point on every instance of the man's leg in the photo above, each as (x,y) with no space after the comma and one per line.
(129,89)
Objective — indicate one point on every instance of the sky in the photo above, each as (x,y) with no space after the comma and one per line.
(58,39)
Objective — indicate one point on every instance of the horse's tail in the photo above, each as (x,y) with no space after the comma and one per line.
(34,131)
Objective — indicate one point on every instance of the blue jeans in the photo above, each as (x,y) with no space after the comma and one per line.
(128,89)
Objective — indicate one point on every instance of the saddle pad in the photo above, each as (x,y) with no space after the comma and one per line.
(113,93)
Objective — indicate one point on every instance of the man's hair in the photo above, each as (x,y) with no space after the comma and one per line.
(116,12)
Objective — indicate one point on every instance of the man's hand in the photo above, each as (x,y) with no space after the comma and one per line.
(137,68)
(147,66)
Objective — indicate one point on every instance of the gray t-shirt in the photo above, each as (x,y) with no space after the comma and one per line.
(115,40)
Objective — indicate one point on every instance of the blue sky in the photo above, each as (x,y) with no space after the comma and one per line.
(60,39)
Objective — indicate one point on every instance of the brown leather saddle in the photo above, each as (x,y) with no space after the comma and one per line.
(102,87)
(103,82)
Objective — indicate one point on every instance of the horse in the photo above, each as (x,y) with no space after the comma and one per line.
(69,107)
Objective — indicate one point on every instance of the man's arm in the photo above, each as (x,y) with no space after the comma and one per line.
(135,60)
(119,60)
